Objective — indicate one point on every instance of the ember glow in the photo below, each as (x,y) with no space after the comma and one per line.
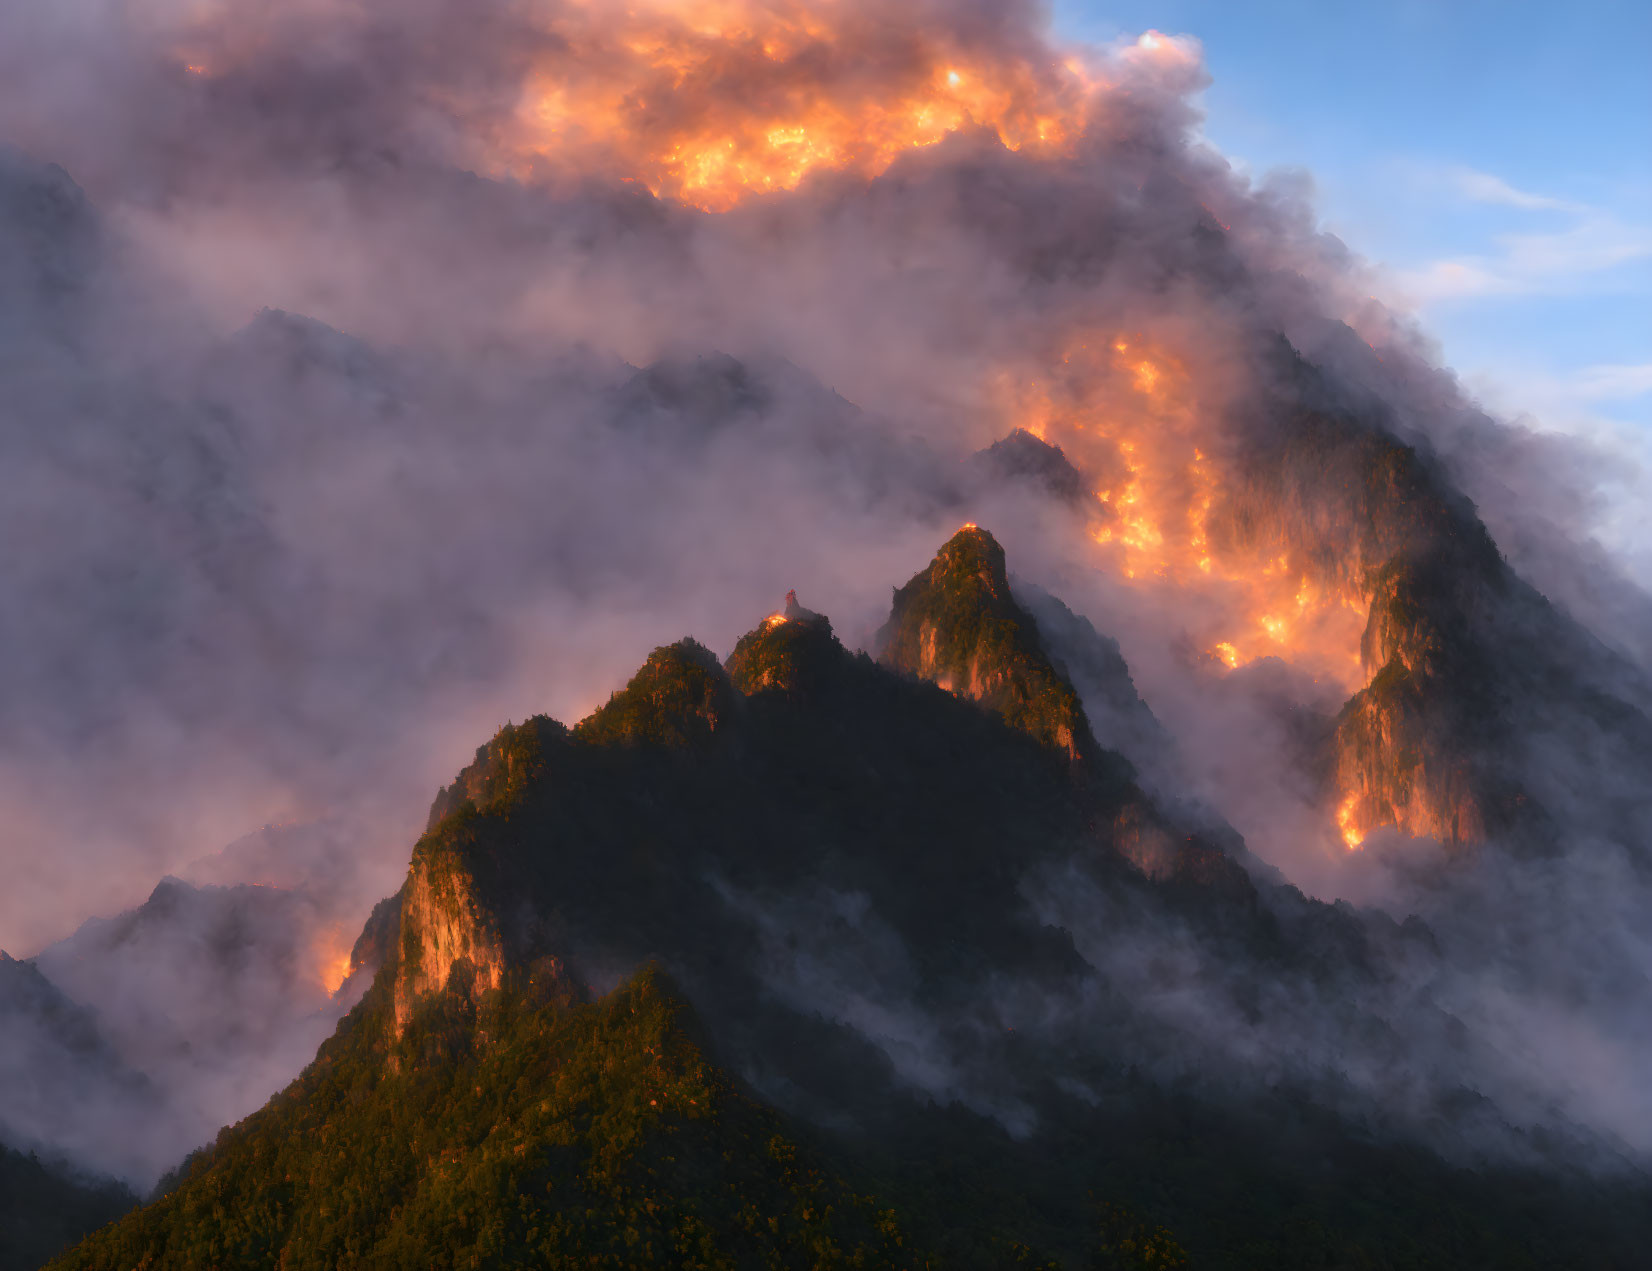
(333,964)
(708,104)
(382,372)
(1138,412)
(1352,834)
(711,102)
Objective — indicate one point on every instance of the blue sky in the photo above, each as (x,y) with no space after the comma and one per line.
(1494,158)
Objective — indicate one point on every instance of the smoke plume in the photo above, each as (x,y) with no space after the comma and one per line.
(375,374)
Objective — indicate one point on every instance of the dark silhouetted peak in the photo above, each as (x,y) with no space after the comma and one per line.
(958,625)
(793,651)
(1023,457)
(21,984)
(691,398)
(301,347)
(168,894)
(37,1015)
(681,696)
(48,231)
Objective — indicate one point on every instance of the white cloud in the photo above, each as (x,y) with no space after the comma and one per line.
(1558,262)
(1483,187)
(1567,259)
(1614,383)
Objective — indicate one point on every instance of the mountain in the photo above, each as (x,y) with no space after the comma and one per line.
(959,625)
(1487,714)
(1022,458)
(978,920)
(916,923)
(51,243)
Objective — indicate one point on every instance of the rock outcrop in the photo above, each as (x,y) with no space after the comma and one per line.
(958,625)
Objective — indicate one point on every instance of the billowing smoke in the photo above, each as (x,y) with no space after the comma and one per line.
(377,373)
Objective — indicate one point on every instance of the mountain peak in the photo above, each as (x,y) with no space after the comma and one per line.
(1025,458)
(793,651)
(794,612)
(680,696)
(49,231)
(957,623)
(973,551)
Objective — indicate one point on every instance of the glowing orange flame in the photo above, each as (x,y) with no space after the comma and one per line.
(712,100)
(1352,835)
(1132,409)
(333,964)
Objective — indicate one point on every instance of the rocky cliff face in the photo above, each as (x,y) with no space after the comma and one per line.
(1451,642)
(1392,767)
(957,625)
(463,920)
(444,925)
(1416,749)
(447,916)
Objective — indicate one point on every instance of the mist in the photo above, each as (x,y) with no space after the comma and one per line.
(357,403)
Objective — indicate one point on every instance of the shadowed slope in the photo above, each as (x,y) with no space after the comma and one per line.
(43,1211)
(534,1131)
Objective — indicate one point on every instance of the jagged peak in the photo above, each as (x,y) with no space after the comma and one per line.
(792,650)
(170,885)
(795,612)
(680,696)
(503,769)
(1024,456)
(49,231)
(972,554)
(308,344)
(957,624)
